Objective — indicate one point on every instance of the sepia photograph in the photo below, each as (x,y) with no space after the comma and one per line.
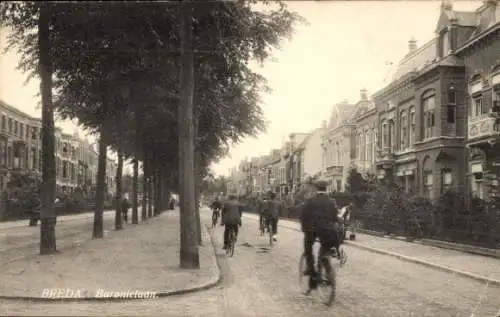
(250,158)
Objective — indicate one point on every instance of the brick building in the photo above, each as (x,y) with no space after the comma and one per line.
(21,148)
(479,48)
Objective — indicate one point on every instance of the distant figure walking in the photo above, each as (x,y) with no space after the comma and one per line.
(125,207)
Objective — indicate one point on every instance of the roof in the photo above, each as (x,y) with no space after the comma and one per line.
(341,113)
(417,60)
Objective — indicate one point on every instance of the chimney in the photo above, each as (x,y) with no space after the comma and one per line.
(446,6)
(364,94)
(412,44)
(488,3)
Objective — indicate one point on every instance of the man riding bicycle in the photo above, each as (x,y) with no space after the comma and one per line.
(231,217)
(319,220)
(216,207)
(272,212)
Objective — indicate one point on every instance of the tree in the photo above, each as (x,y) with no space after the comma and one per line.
(48,215)
(189,257)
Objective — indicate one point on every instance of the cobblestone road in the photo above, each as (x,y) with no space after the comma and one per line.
(258,283)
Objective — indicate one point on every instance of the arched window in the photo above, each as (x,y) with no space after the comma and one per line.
(403,121)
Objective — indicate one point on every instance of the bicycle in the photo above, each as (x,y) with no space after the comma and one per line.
(231,242)
(262,228)
(327,276)
(269,226)
(215,217)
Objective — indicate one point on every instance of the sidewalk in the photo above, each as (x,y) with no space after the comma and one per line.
(62,218)
(482,268)
(139,258)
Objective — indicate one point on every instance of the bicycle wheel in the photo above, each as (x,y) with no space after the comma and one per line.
(270,229)
(303,279)
(327,285)
(343,257)
(231,243)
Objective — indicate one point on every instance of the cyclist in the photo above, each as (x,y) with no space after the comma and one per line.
(273,211)
(216,207)
(262,210)
(320,220)
(231,217)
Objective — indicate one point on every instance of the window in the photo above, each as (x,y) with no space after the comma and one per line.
(446,180)
(21,130)
(445,44)
(386,137)
(429,117)
(404,130)
(412,127)
(339,185)
(34,133)
(477,106)
(450,114)
(4,123)
(428,183)
(10,125)
(478,185)
(16,126)
(452,96)
(33,158)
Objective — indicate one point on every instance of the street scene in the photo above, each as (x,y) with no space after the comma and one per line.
(250,158)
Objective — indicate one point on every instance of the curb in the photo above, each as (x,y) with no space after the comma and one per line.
(216,280)
(405,258)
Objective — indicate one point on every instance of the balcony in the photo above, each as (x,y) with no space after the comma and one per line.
(385,157)
(484,126)
(335,171)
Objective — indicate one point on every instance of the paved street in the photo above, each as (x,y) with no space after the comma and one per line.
(259,283)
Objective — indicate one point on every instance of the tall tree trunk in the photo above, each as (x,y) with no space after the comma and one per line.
(150,192)
(48,188)
(98,230)
(189,253)
(197,194)
(158,208)
(144,205)
(135,189)
(119,194)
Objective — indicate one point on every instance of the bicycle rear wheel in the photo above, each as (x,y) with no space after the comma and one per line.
(230,249)
(270,229)
(327,286)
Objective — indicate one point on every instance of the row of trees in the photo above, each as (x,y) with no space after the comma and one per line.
(163,83)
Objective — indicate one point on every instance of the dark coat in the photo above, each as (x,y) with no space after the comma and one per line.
(319,214)
(231,212)
(274,209)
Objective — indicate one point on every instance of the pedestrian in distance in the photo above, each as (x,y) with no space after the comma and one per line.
(125,206)
(231,217)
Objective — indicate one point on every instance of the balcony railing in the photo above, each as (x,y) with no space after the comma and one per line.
(385,154)
(482,126)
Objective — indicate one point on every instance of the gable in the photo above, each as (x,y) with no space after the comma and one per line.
(442,22)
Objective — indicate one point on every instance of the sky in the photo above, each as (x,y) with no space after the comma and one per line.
(343,48)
